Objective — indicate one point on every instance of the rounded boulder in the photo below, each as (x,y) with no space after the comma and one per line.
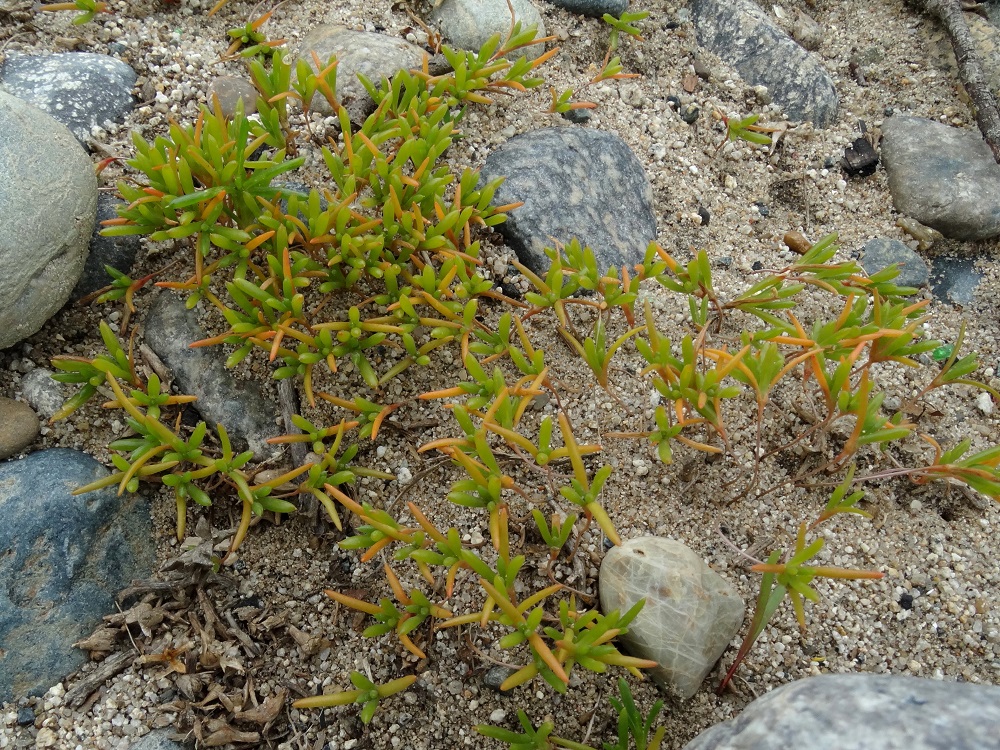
(48,205)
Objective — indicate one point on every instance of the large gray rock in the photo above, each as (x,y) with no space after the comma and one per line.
(575,183)
(863,712)
(691,612)
(79,89)
(943,177)
(48,202)
(740,32)
(467,24)
(65,557)
(249,418)
(375,56)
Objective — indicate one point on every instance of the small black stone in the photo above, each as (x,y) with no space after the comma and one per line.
(757,265)
(705,215)
(578,116)
(762,209)
(906,601)
(25,716)
(674,103)
(860,158)
(690,114)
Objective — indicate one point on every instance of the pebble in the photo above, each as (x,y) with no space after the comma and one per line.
(870,711)
(117,252)
(740,32)
(467,24)
(67,556)
(239,405)
(943,177)
(880,252)
(18,427)
(495,677)
(48,204)
(984,402)
(575,183)
(42,393)
(691,612)
(375,56)
(231,90)
(593,8)
(79,89)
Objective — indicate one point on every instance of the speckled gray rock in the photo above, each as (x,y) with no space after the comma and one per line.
(117,252)
(79,89)
(231,90)
(249,417)
(741,33)
(863,712)
(954,280)
(691,612)
(880,252)
(373,55)
(943,177)
(18,427)
(575,182)
(45,395)
(467,24)
(157,740)
(66,558)
(593,8)
(48,202)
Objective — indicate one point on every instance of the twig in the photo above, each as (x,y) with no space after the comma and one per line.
(970,69)
(111,666)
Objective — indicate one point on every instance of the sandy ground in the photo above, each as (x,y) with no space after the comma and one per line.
(936,544)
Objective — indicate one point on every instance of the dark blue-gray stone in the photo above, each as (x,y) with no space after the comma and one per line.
(575,183)
(79,89)
(863,712)
(65,559)
(593,8)
(117,252)
(48,201)
(740,32)
(954,280)
(943,177)
(880,252)
(239,405)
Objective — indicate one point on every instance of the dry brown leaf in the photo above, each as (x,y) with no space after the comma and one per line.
(103,640)
(145,616)
(190,685)
(309,644)
(690,83)
(227,735)
(229,663)
(168,656)
(266,712)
